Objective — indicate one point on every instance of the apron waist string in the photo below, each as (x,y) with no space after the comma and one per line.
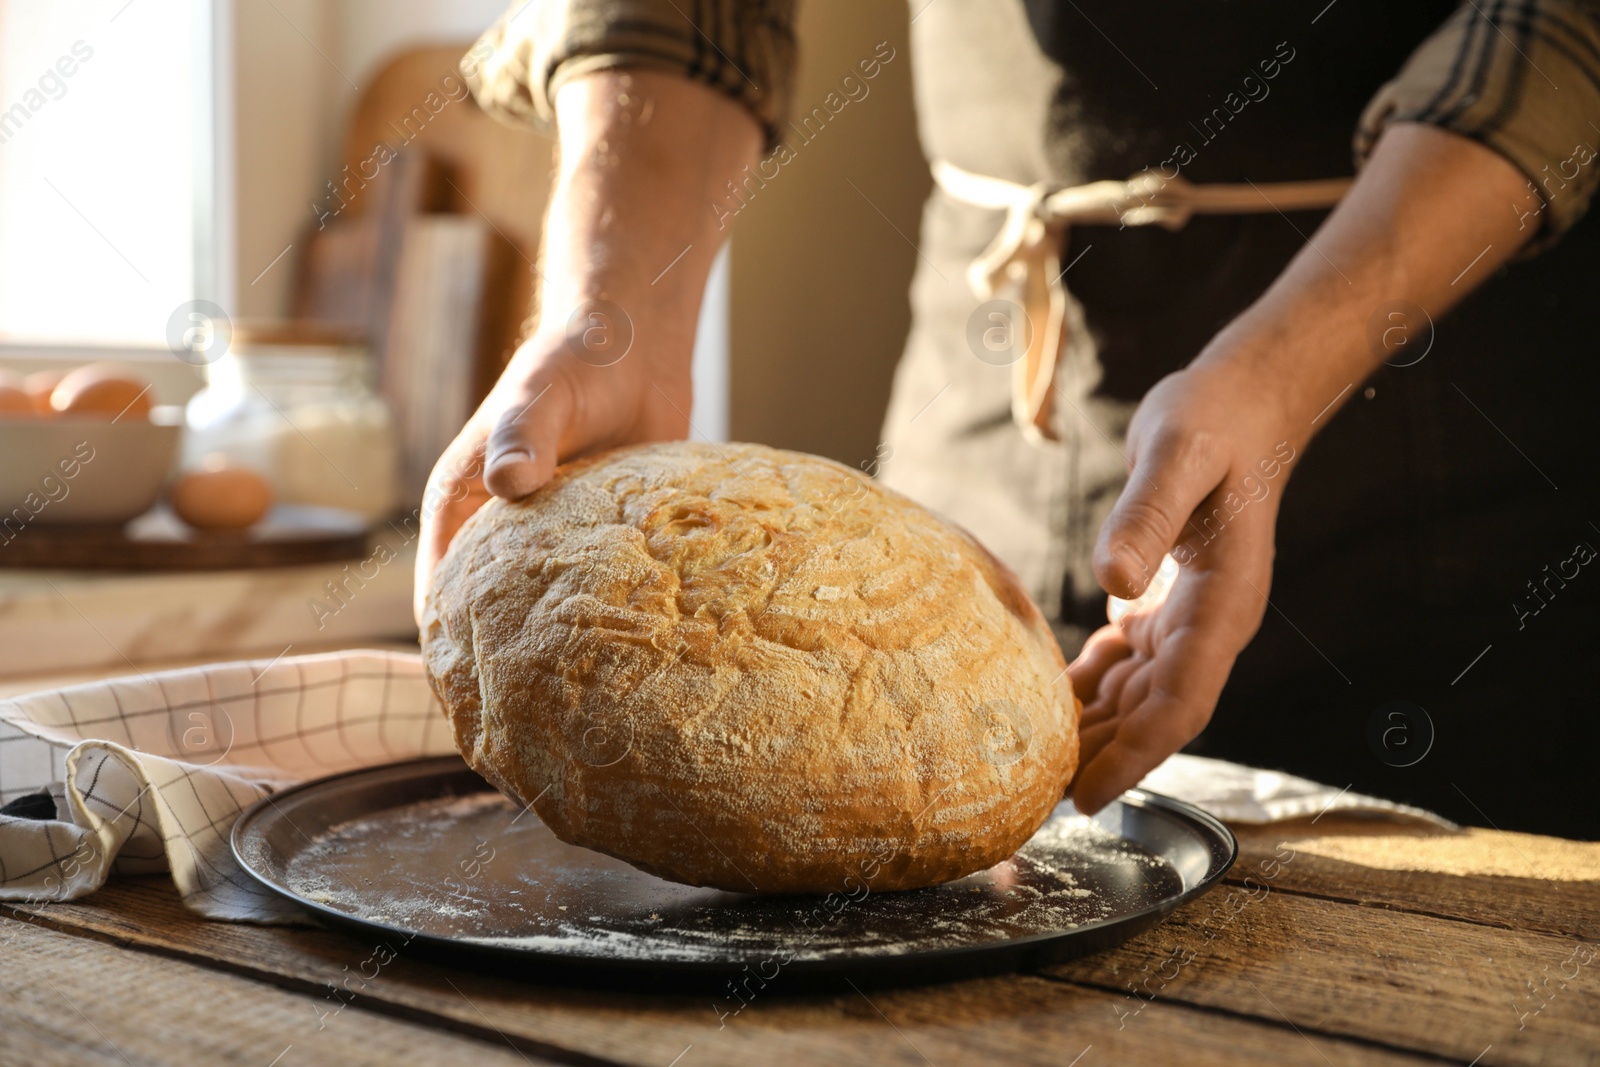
(1027,250)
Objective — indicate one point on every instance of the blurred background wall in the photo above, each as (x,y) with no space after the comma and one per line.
(819,276)
(181,157)
(820,263)
(300,65)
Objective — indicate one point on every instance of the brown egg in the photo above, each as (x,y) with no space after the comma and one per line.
(15,402)
(39,385)
(102,391)
(220,498)
(14,398)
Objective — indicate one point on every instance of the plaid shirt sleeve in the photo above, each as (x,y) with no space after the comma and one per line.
(1521,77)
(744,48)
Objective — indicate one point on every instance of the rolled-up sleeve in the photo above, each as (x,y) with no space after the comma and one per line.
(744,48)
(1521,77)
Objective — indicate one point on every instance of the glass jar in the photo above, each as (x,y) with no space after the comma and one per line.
(294,401)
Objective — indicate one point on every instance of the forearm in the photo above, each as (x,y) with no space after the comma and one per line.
(1431,217)
(643,157)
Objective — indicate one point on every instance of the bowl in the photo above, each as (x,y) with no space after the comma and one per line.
(72,471)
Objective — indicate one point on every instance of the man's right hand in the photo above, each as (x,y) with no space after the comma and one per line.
(550,404)
(645,160)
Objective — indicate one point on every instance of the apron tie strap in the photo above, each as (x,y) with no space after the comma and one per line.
(1026,252)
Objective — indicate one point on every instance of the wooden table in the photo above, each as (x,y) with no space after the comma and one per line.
(1339,942)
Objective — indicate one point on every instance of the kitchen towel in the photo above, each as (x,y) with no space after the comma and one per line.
(148,773)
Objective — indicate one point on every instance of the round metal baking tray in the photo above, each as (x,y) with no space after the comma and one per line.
(426,855)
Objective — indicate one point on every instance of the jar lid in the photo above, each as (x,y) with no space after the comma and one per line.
(296,333)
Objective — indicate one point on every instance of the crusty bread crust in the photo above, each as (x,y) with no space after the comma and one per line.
(758,670)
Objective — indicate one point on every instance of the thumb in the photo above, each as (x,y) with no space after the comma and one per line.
(1168,482)
(524,444)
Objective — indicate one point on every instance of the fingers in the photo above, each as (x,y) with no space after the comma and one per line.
(525,440)
(1139,744)
(1170,478)
(513,457)
(1100,719)
(1165,707)
(1091,741)
(1135,690)
(1110,694)
(1104,648)
(455,491)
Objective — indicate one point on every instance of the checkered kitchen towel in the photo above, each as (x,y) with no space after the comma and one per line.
(148,773)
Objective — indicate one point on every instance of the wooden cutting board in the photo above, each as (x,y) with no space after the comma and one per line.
(157,540)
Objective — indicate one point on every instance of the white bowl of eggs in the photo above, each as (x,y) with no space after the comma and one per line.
(86,446)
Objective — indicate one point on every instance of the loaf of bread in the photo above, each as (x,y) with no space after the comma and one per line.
(757,670)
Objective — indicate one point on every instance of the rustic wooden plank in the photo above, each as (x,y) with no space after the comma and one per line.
(1524,881)
(1411,981)
(77,1000)
(39,1050)
(1015,1020)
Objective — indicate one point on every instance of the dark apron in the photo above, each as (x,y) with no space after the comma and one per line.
(1419,515)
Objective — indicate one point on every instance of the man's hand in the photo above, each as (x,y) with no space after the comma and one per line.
(1200,447)
(628,243)
(549,404)
(1431,217)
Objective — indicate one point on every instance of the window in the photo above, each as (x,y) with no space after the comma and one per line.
(107,176)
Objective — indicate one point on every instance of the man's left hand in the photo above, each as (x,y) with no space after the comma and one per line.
(1200,448)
